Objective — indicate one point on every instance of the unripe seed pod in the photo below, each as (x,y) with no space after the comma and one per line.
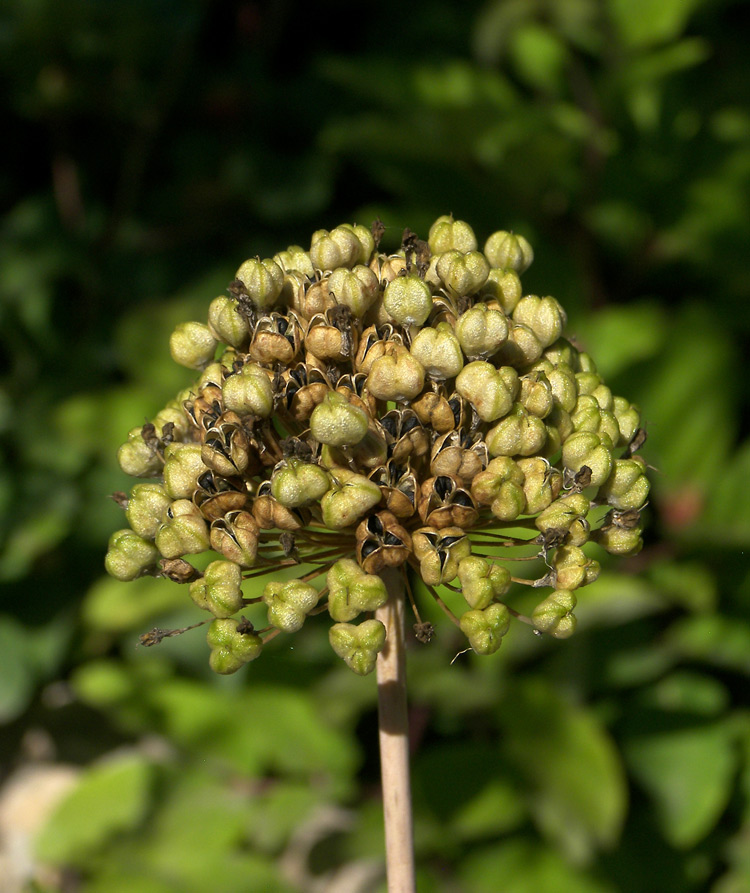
(396,376)
(628,419)
(192,345)
(609,430)
(263,281)
(579,533)
(585,448)
(338,248)
(502,287)
(447,234)
(462,273)
(559,428)
(296,483)
(517,434)
(233,644)
(544,316)
(408,300)
(138,458)
(564,387)
(563,353)
(225,323)
(129,555)
(358,646)
(182,467)
(485,629)
(184,532)
(522,348)
(337,422)
(572,568)
(249,392)
(365,239)
(146,507)
(218,590)
(554,615)
(627,486)
(536,395)
(561,514)
(587,415)
(481,332)
(351,591)
(296,259)
(173,415)
(491,391)
(358,289)
(289,603)
(439,553)
(350,498)
(482,581)
(508,251)
(541,484)
(500,486)
(619,540)
(438,352)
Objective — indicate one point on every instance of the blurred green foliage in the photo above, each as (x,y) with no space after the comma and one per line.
(150,147)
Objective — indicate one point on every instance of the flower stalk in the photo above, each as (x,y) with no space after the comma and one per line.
(393,726)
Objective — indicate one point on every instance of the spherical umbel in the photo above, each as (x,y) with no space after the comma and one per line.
(362,415)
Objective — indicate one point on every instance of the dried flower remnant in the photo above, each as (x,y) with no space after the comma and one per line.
(360,414)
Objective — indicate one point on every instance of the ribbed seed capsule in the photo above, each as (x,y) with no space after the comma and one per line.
(509,251)
(262,281)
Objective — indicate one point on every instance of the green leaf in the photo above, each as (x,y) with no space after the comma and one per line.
(687,402)
(721,641)
(522,866)
(689,773)
(16,679)
(113,606)
(571,765)
(111,798)
(540,56)
(645,22)
(619,337)
(727,515)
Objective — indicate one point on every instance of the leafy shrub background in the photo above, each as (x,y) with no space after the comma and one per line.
(149,148)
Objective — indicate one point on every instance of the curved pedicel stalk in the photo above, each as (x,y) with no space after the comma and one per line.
(360,413)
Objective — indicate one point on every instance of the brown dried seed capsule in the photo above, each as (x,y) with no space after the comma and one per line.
(303,388)
(227,449)
(440,411)
(313,297)
(399,486)
(328,342)
(460,454)
(235,536)
(381,542)
(178,570)
(406,435)
(444,502)
(276,338)
(217,495)
(373,344)
(387,268)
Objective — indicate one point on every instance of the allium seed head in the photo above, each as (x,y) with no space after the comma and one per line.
(359,415)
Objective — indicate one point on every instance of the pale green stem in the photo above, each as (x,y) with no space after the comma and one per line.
(394,739)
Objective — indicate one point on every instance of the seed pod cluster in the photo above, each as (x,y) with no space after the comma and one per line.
(359,412)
